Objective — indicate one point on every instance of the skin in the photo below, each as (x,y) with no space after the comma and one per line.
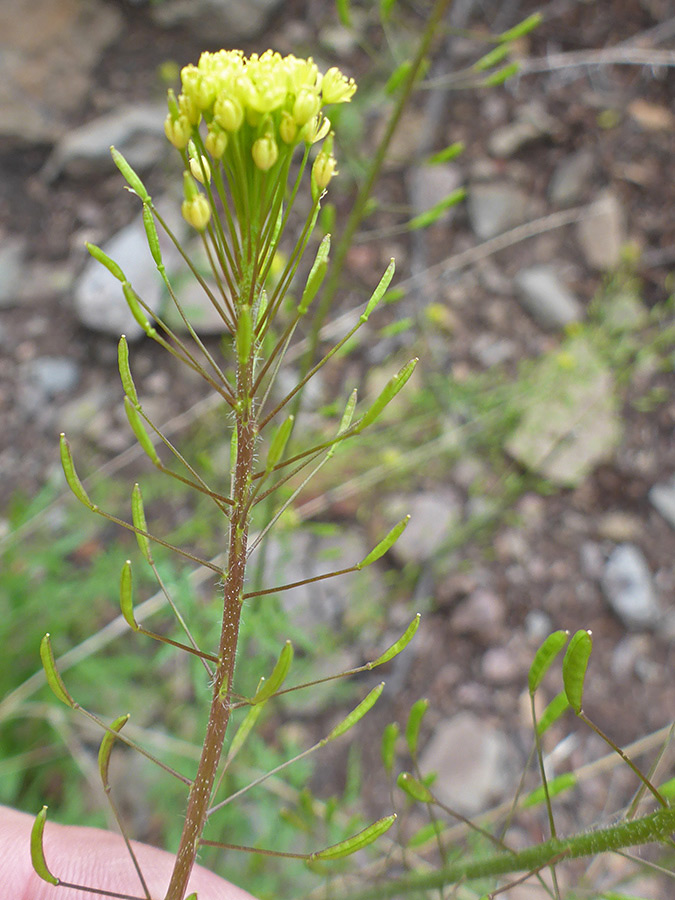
(91,857)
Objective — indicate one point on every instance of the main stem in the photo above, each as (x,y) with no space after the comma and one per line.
(199,797)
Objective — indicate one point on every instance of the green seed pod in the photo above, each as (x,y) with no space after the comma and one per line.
(425,834)
(105,749)
(278,676)
(414,788)
(545,656)
(37,854)
(54,680)
(412,728)
(136,310)
(391,389)
(106,261)
(346,419)
(246,727)
(316,275)
(357,842)
(501,75)
(385,544)
(355,715)
(452,151)
(574,668)
(493,58)
(138,429)
(554,710)
(379,291)
(278,443)
(523,28)
(138,518)
(554,787)
(125,371)
(398,645)
(126,596)
(152,236)
(388,747)
(431,215)
(72,480)
(130,176)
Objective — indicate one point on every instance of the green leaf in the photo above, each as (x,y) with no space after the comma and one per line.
(385,544)
(140,524)
(106,261)
(555,709)
(355,715)
(316,275)
(344,12)
(544,657)
(72,480)
(138,429)
(379,291)
(501,75)
(414,788)
(105,749)
(125,371)
(556,786)
(358,841)
(152,236)
(398,645)
(391,389)
(54,680)
(523,28)
(452,151)
(278,443)
(412,728)
(278,676)
(574,667)
(246,727)
(431,215)
(495,56)
(37,853)
(130,176)
(388,748)
(126,596)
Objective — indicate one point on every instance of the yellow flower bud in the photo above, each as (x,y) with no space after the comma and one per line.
(323,169)
(306,105)
(228,113)
(336,87)
(216,141)
(265,152)
(189,109)
(197,212)
(315,130)
(198,172)
(178,131)
(287,128)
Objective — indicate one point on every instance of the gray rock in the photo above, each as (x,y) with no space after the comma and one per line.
(571,178)
(547,300)
(12,267)
(136,131)
(217,21)
(628,587)
(490,350)
(532,123)
(494,207)
(48,49)
(195,302)
(662,498)
(428,185)
(53,375)
(432,518)
(602,234)
(473,761)
(482,614)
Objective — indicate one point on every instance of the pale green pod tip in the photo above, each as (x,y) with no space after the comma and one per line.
(398,645)
(395,384)
(130,176)
(37,854)
(358,841)
(356,714)
(54,680)
(385,544)
(125,370)
(380,290)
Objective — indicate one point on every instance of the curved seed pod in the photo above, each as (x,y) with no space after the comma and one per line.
(452,151)
(106,261)
(379,291)
(398,645)
(522,28)
(152,236)
(37,853)
(388,748)
(397,77)
(355,715)
(544,657)
(125,371)
(278,676)
(554,787)
(414,788)
(138,429)
(316,276)
(138,518)
(385,544)
(245,728)
(130,176)
(244,335)
(391,389)
(278,443)
(346,419)
(553,712)
(54,680)
(412,728)
(501,75)
(105,749)
(358,841)
(429,216)
(126,596)
(136,310)
(574,668)
(72,480)
(495,56)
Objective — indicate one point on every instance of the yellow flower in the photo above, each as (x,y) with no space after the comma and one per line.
(336,87)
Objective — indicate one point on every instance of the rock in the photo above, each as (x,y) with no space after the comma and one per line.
(570,418)
(223,22)
(619,526)
(547,300)
(473,761)
(12,268)
(48,49)
(627,585)
(53,375)
(494,207)
(571,178)
(482,614)
(532,123)
(601,235)
(201,313)
(490,350)
(428,185)
(432,518)
(136,131)
(662,498)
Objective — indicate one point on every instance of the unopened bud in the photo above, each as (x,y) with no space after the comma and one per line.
(216,141)
(177,130)
(265,152)
(288,130)
(323,169)
(197,212)
(200,168)
(228,113)
(306,105)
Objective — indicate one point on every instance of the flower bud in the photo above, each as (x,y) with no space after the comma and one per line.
(228,113)
(177,130)
(288,130)
(323,169)
(197,212)
(189,109)
(199,166)
(265,152)
(216,141)
(315,130)
(306,105)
